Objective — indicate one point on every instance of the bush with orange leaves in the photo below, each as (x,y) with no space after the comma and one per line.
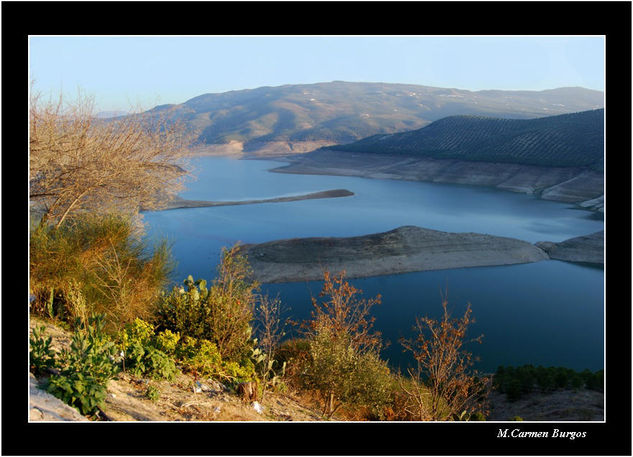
(443,387)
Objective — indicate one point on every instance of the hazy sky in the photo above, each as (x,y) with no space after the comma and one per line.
(121,72)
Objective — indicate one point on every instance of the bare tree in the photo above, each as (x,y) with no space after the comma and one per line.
(80,163)
(451,390)
(270,328)
(270,324)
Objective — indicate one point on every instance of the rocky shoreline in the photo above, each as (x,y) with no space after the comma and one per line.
(178,203)
(572,185)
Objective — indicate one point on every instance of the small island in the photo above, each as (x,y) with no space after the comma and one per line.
(178,203)
(405,249)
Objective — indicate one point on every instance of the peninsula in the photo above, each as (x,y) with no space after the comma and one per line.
(177,202)
(405,249)
(585,249)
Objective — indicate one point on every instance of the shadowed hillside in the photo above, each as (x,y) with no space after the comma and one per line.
(342,112)
(568,140)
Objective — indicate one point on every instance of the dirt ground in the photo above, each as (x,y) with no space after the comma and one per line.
(184,399)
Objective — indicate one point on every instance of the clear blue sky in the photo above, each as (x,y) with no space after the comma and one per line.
(121,72)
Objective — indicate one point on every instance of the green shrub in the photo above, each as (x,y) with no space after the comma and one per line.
(41,356)
(517,381)
(203,358)
(80,390)
(513,389)
(199,356)
(342,364)
(594,381)
(86,368)
(159,365)
(167,341)
(372,384)
(147,361)
(220,314)
(143,357)
(152,393)
(237,373)
(344,375)
(477,417)
(138,332)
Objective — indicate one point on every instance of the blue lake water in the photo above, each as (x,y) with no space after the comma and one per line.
(548,313)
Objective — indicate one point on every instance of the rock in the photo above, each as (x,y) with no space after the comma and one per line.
(216,386)
(257,407)
(46,407)
(404,249)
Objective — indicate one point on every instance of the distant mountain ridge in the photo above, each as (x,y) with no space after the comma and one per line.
(343,112)
(567,140)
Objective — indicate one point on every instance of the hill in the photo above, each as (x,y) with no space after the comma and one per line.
(299,118)
(568,140)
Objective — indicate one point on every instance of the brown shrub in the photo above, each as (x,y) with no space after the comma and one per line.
(443,387)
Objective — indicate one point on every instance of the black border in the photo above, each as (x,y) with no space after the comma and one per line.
(20,19)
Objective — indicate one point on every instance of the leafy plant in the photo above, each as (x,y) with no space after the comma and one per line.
(41,356)
(86,368)
(78,389)
(199,356)
(167,341)
(202,358)
(145,360)
(152,393)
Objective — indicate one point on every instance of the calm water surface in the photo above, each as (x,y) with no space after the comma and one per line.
(548,313)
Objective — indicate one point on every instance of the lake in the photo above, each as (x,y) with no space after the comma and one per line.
(546,313)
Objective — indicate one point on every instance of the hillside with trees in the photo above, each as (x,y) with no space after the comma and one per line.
(567,140)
